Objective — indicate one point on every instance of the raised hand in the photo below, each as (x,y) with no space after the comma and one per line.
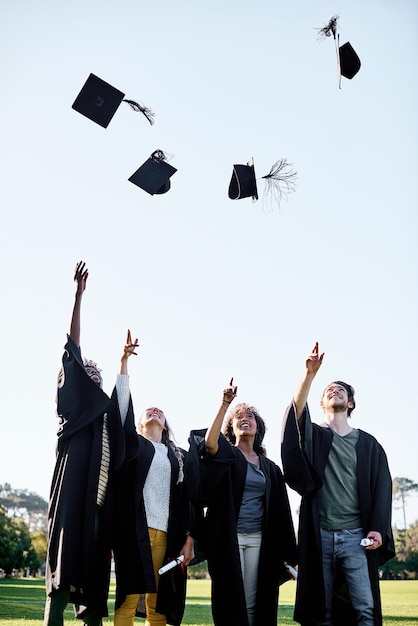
(80,276)
(129,347)
(313,363)
(128,350)
(314,360)
(212,433)
(230,392)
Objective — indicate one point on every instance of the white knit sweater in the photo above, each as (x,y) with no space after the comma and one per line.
(157,488)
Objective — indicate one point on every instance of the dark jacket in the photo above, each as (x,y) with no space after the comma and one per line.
(305,451)
(77,556)
(219,492)
(132,550)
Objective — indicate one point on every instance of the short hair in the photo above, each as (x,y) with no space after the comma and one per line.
(350,392)
(228,432)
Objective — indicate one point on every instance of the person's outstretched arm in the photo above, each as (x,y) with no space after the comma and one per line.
(212,433)
(80,277)
(122,381)
(312,365)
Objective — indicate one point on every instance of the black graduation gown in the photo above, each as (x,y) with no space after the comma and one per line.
(131,546)
(305,451)
(78,558)
(220,489)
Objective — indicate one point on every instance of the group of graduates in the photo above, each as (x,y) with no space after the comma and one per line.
(127,489)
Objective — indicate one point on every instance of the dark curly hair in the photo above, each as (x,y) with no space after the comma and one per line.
(227,429)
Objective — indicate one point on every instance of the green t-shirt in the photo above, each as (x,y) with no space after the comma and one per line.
(339,506)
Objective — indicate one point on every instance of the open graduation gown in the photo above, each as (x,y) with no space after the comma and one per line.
(131,545)
(217,485)
(305,451)
(78,557)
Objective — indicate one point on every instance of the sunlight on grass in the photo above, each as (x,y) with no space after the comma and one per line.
(22,603)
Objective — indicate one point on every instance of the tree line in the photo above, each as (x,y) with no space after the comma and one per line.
(24,525)
(405,564)
(23,531)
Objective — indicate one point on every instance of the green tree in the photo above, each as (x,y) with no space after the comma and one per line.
(7,545)
(29,506)
(16,549)
(402,488)
(40,545)
(25,556)
(411,562)
(405,564)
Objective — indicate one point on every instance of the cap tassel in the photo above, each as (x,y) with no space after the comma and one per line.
(158,156)
(337,51)
(140,108)
(281,180)
(329,29)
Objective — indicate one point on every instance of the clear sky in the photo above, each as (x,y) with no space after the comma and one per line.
(213,288)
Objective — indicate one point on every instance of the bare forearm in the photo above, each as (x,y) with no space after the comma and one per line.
(75,326)
(301,396)
(312,365)
(124,366)
(212,434)
(188,550)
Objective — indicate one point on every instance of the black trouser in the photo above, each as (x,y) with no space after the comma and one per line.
(57,601)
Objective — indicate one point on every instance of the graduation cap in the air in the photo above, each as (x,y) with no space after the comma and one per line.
(280,181)
(99,101)
(154,175)
(348,62)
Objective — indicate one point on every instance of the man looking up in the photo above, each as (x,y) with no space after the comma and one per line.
(343,477)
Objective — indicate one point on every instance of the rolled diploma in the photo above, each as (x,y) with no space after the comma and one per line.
(168,566)
(366,542)
(292,572)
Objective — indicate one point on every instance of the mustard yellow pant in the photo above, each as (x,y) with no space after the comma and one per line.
(125,614)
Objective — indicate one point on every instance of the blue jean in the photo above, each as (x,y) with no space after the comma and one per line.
(343,546)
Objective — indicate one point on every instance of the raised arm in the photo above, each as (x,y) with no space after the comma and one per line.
(80,277)
(312,365)
(212,433)
(122,381)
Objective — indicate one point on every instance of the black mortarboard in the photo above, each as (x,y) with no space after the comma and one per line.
(348,62)
(99,101)
(154,175)
(243,182)
(279,181)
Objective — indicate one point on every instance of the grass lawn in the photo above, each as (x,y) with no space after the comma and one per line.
(22,603)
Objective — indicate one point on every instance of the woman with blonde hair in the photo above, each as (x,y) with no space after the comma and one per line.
(153,525)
